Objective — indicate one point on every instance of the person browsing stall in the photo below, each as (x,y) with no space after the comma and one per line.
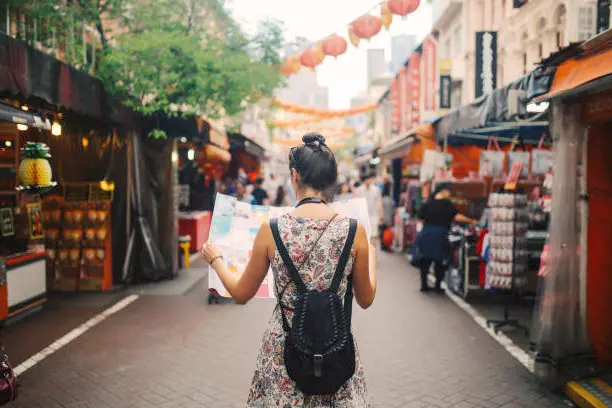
(432,246)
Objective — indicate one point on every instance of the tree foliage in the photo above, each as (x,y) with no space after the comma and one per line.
(176,57)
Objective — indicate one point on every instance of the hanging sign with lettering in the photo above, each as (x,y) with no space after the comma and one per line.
(486,62)
(445,91)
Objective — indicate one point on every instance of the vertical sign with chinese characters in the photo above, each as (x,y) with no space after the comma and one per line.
(403,85)
(395,106)
(486,62)
(603,15)
(414,78)
(429,67)
(445,91)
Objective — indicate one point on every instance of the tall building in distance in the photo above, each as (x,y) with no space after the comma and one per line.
(377,65)
(401,47)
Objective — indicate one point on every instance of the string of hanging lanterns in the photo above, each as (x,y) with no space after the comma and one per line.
(362,28)
(323,113)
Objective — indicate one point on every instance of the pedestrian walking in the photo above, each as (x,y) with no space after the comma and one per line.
(388,209)
(345,192)
(314,267)
(260,195)
(281,197)
(431,245)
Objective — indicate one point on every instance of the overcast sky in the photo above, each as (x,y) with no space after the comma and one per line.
(315,19)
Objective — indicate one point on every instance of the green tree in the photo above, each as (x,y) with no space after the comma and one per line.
(176,57)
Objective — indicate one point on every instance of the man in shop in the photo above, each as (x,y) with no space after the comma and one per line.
(260,196)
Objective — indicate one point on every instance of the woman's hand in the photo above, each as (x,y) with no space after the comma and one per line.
(210,252)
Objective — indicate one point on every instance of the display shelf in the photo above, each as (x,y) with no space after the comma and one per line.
(508,255)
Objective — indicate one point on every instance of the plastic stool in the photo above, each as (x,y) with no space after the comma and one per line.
(185,245)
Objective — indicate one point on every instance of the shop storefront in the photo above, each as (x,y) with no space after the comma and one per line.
(574,323)
(23,283)
(246,155)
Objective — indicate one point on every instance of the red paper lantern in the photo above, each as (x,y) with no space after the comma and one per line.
(334,45)
(312,57)
(403,7)
(367,26)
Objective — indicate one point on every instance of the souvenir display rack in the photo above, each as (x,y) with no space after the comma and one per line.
(78,239)
(508,255)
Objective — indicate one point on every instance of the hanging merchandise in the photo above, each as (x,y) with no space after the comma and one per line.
(541,159)
(334,45)
(403,7)
(35,175)
(520,157)
(491,161)
(386,16)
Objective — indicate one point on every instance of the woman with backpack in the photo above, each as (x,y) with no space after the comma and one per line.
(319,259)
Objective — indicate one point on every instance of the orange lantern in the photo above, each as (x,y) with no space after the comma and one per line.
(352,37)
(312,57)
(403,7)
(334,45)
(290,66)
(386,17)
(367,26)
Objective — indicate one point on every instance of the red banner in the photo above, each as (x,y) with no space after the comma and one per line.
(429,74)
(414,90)
(395,106)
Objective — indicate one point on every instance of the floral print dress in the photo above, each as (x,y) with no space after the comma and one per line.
(271,386)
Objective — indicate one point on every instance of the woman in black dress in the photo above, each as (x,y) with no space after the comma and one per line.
(432,246)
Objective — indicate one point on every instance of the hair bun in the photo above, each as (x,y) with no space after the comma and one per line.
(313,139)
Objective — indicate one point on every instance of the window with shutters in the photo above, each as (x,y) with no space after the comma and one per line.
(586,22)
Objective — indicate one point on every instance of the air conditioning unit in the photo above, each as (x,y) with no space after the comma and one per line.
(517,103)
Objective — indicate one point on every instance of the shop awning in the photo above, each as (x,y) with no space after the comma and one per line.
(585,72)
(399,146)
(11,114)
(240,141)
(493,107)
(507,132)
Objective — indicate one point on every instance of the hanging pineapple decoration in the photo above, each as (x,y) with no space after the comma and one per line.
(35,174)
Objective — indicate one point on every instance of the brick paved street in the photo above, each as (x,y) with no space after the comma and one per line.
(177,351)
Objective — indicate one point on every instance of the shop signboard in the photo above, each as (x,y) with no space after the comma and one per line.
(414,80)
(486,62)
(35,221)
(395,105)
(7,222)
(445,91)
(603,15)
(429,65)
(403,99)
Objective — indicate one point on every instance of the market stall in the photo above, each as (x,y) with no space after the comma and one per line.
(246,155)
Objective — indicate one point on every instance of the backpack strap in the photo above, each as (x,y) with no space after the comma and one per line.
(344,257)
(282,250)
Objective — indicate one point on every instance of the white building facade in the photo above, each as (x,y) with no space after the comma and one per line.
(524,31)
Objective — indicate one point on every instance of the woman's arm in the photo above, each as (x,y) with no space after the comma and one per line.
(364,270)
(244,287)
(462,218)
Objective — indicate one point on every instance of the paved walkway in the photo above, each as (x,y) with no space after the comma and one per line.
(177,351)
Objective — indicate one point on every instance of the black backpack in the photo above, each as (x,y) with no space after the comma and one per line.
(319,349)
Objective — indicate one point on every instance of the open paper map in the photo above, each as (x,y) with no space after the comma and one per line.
(235,224)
